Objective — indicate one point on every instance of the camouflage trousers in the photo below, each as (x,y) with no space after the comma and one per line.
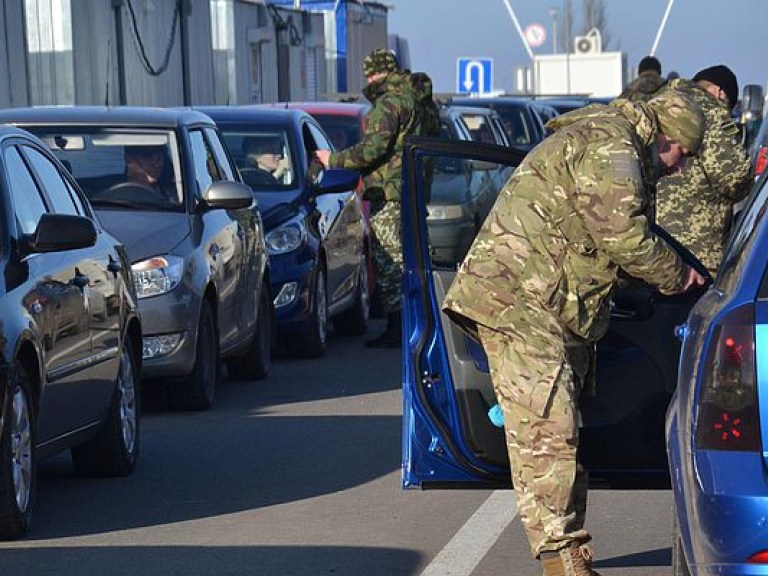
(388,255)
(550,485)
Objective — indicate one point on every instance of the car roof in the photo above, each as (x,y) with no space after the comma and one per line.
(105,116)
(7,130)
(330,108)
(252,114)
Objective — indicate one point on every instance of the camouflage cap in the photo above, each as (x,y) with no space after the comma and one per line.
(380,60)
(679,118)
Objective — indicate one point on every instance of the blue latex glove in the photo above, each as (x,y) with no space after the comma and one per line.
(496,416)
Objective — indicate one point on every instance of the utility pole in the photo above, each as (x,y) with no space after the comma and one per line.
(661,27)
(553,15)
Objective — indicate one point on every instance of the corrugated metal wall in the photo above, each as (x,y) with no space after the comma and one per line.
(13,70)
(172,52)
(366,31)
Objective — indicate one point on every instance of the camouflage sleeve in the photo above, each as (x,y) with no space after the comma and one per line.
(609,198)
(723,159)
(381,129)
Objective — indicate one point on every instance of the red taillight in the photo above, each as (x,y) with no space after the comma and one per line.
(759,558)
(762,160)
(727,416)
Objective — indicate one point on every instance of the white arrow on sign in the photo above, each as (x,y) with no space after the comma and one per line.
(468,83)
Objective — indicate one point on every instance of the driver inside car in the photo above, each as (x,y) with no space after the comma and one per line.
(148,167)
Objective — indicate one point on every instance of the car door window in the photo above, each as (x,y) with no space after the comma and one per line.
(321,142)
(204,163)
(61,195)
(28,204)
(220,155)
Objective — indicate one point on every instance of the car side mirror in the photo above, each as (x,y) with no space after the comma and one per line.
(752,100)
(57,232)
(228,195)
(336,180)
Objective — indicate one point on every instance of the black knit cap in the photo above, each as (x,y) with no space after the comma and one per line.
(723,77)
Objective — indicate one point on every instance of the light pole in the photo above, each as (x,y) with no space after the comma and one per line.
(553,15)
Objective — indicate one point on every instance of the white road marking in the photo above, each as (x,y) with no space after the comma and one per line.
(471,543)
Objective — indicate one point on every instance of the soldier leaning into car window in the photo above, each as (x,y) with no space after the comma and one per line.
(535,289)
(402,105)
(696,205)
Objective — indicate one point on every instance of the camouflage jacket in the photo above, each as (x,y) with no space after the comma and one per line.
(643,87)
(570,216)
(402,106)
(696,205)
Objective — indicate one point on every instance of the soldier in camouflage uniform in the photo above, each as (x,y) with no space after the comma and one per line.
(696,205)
(535,288)
(647,83)
(402,106)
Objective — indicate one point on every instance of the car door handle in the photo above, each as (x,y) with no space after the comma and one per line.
(623,313)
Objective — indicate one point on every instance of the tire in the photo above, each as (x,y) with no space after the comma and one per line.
(114,451)
(313,344)
(679,566)
(354,322)
(199,390)
(255,363)
(18,481)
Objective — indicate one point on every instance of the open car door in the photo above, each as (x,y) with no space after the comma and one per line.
(448,438)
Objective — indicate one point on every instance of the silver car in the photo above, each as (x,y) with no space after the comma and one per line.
(162,182)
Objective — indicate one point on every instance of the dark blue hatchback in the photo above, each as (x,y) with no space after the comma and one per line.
(315,231)
(717,424)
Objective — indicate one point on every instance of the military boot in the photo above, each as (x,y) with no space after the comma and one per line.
(573,560)
(391,338)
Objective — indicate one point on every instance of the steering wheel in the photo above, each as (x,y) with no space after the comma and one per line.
(132,191)
(258,178)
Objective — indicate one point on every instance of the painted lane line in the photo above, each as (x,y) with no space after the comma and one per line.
(471,543)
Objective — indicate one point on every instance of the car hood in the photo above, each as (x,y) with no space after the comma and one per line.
(278,207)
(146,234)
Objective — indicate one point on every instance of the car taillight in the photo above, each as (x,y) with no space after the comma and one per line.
(727,416)
(762,160)
(759,558)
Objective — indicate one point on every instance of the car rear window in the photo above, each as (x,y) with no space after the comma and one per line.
(742,239)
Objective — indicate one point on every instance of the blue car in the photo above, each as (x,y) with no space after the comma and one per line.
(448,437)
(718,421)
(316,233)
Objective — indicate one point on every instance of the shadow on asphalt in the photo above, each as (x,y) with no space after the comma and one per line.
(249,451)
(217,561)
(649,558)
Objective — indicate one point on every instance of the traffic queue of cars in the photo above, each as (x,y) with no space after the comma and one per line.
(141,247)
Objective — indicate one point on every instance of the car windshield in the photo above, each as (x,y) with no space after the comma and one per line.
(121,168)
(343,131)
(264,156)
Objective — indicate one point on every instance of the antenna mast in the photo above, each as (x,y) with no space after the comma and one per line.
(661,27)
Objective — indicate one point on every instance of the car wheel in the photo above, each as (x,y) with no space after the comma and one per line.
(199,390)
(354,322)
(313,345)
(115,449)
(17,456)
(679,566)
(255,363)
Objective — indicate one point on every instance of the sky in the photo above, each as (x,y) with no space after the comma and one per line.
(698,34)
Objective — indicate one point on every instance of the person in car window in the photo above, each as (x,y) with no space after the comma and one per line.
(535,289)
(265,153)
(648,81)
(696,205)
(148,166)
(402,106)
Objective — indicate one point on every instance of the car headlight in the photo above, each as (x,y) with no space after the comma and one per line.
(285,238)
(446,212)
(158,275)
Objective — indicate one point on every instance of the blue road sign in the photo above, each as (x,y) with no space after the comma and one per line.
(474,75)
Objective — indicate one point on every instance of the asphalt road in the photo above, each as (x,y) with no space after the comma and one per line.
(299,475)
